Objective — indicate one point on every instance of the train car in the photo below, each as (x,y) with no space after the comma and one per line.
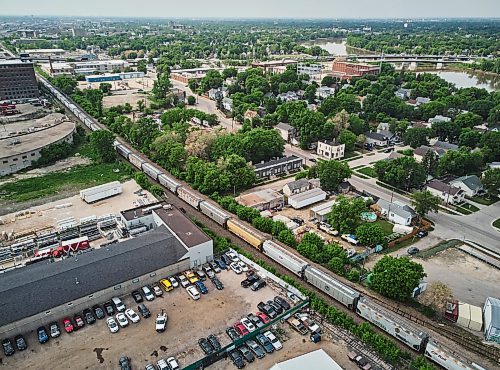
(247,233)
(136,160)
(447,358)
(169,182)
(123,150)
(87,121)
(151,171)
(189,196)
(285,258)
(331,286)
(215,212)
(95,127)
(397,327)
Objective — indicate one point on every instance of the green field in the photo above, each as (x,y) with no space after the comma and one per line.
(76,178)
(368,171)
(496,223)
(484,200)
(467,208)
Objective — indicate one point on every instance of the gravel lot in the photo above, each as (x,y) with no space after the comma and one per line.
(94,347)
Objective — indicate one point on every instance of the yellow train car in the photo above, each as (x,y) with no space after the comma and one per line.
(245,232)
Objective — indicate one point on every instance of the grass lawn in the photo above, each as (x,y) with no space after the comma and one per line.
(368,171)
(362,176)
(76,178)
(385,225)
(445,244)
(496,223)
(467,208)
(484,201)
(351,158)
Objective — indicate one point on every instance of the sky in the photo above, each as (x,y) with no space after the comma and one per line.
(256,8)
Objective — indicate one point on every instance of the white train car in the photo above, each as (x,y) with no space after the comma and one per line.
(87,121)
(95,127)
(334,288)
(397,327)
(169,182)
(215,212)
(136,160)
(189,196)
(123,150)
(448,358)
(285,258)
(151,171)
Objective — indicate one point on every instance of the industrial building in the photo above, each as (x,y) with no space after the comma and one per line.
(491,312)
(110,77)
(318,359)
(19,151)
(17,80)
(306,198)
(347,70)
(85,68)
(38,294)
(262,200)
(280,166)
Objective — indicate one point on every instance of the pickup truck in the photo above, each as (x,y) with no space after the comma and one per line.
(350,239)
(161,321)
(297,325)
(308,322)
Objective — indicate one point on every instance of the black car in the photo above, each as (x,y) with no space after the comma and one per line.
(214,342)
(249,281)
(232,333)
(144,311)
(259,284)
(89,316)
(226,259)
(246,353)
(255,320)
(282,302)
(413,250)
(218,284)
(275,306)
(137,296)
(422,234)
(124,363)
(265,342)
(21,343)
(298,221)
(99,312)
(206,346)
(108,307)
(255,348)
(8,348)
(235,356)
(268,310)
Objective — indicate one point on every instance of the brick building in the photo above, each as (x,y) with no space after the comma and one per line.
(347,70)
(17,80)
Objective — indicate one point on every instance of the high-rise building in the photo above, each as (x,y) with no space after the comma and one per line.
(17,80)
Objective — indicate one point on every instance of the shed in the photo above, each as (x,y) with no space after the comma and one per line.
(321,211)
(491,312)
(306,198)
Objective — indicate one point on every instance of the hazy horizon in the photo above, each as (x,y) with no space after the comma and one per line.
(258,9)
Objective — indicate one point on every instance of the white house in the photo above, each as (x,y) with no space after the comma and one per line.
(227,104)
(296,187)
(374,138)
(420,101)
(330,149)
(439,118)
(403,94)
(447,193)
(324,92)
(470,184)
(288,96)
(287,132)
(397,212)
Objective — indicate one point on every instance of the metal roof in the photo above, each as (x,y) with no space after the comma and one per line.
(318,359)
(472,182)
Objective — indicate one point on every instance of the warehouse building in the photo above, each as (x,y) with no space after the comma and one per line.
(306,198)
(17,80)
(318,359)
(262,200)
(44,292)
(321,211)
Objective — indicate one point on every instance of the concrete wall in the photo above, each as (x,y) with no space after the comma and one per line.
(77,306)
(201,253)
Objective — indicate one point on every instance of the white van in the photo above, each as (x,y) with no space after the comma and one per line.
(148,294)
(120,307)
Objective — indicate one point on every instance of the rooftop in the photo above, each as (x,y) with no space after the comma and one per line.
(397,208)
(444,187)
(324,208)
(13,62)
(375,136)
(48,285)
(274,162)
(293,185)
(494,305)
(258,197)
(471,181)
(318,359)
(306,195)
(284,126)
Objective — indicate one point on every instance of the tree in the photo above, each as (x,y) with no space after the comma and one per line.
(332,173)
(370,234)
(403,173)
(491,181)
(424,202)
(430,162)
(490,146)
(328,81)
(101,143)
(142,66)
(468,119)
(65,83)
(396,278)
(346,214)
(416,137)
(141,179)
(287,237)
(161,86)
(469,138)
(105,87)
(191,100)
(310,93)
(461,162)
(141,104)
(349,139)
(212,80)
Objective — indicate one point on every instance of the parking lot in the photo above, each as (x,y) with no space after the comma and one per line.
(94,347)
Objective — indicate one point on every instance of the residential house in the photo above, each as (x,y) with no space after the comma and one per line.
(397,212)
(262,200)
(227,103)
(422,150)
(470,184)
(447,193)
(439,118)
(403,94)
(394,155)
(421,101)
(296,187)
(389,135)
(287,132)
(324,92)
(330,149)
(494,165)
(374,138)
(278,166)
(444,145)
(214,94)
(250,114)
(288,96)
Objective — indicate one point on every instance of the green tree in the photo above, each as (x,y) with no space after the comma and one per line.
(370,234)
(403,173)
(101,144)
(287,237)
(65,83)
(212,80)
(142,66)
(141,105)
(396,278)
(468,119)
(491,181)
(349,139)
(332,173)
(416,137)
(469,138)
(191,100)
(328,81)
(105,87)
(142,180)
(490,146)
(161,86)
(345,215)
(310,93)
(424,202)
(461,162)
(430,162)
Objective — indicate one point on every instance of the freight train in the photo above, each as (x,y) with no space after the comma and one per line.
(401,329)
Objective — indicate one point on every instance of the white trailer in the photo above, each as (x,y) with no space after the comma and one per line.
(306,198)
(103,191)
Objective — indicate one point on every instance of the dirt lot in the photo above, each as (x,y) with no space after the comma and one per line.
(95,347)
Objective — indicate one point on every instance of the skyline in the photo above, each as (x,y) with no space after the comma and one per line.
(278,9)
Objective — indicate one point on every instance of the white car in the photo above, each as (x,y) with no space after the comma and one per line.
(172,362)
(132,316)
(236,268)
(274,341)
(161,321)
(112,325)
(232,256)
(174,282)
(157,291)
(184,281)
(248,324)
(193,292)
(243,266)
(148,294)
(122,319)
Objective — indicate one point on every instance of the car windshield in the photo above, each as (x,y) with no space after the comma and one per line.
(160,321)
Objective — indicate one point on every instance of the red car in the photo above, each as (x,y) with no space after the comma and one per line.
(263,317)
(240,328)
(79,322)
(68,325)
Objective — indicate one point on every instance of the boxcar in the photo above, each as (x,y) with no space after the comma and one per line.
(151,171)
(448,358)
(123,150)
(248,234)
(136,160)
(169,182)
(285,258)
(215,212)
(189,196)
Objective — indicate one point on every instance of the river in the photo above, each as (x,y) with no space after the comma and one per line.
(334,46)
(461,79)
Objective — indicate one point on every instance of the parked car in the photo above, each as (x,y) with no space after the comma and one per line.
(190,276)
(54,330)
(276,306)
(21,343)
(161,321)
(226,259)
(201,287)
(359,360)
(167,284)
(218,284)
(119,306)
(267,309)
(215,267)
(79,323)
(255,348)
(183,280)
(240,329)
(243,266)
(232,256)
(221,264)
(137,296)
(250,280)
(162,365)
(89,316)
(274,340)
(124,363)
(214,342)
(172,363)
(122,319)
(246,353)
(143,310)
(248,324)
(259,284)
(413,250)
(112,325)
(148,294)
(208,271)
(174,281)
(422,234)
(98,311)
(150,367)
(8,348)
(42,335)
(68,325)
(206,346)
(265,342)
(108,307)
(263,317)
(236,268)
(132,316)
(201,275)
(282,302)
(193,292)
(157,291)
(237,359)
(255,320)
(232,333)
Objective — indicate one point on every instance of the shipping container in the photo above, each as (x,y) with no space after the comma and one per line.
(123,150)
(476,318)
(447,358)
(189,196)
(101,192)
(248,234)
(334,288)
(306,198)
(169,182)
(285,258)
(395,326)
(463,314)
(136,160)
(215,212)
(151,171)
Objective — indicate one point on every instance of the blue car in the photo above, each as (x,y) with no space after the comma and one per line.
(42,335)
(221,264)
(203,289)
